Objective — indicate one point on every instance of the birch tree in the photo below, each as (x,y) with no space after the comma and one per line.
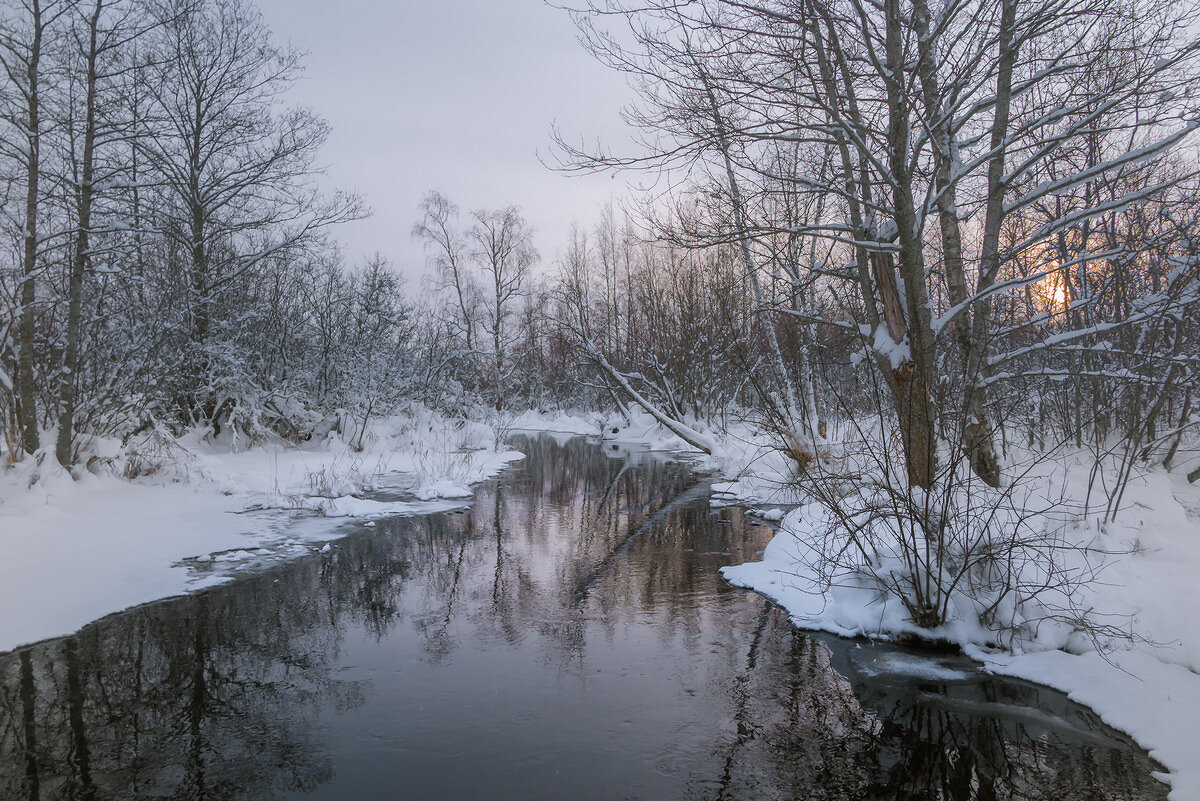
(450,259)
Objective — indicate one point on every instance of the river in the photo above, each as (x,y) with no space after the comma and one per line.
(567,637)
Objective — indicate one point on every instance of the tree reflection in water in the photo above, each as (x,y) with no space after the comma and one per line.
(568,635)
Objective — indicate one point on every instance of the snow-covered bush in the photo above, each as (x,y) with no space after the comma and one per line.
(988,564)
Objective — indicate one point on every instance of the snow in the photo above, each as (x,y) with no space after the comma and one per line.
(350,506)
(844,603)
(897,353)
(915,666)
(76,550)
(561,422)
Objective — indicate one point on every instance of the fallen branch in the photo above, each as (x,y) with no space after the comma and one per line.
(685,432)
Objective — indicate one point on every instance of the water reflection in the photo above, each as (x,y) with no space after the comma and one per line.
(568,636)
(805,730)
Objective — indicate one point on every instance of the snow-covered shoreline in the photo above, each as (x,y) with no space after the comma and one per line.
(73,550)
(76,550)
(1147,687)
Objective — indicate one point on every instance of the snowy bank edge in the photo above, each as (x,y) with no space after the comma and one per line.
(136,568)
(1154,702)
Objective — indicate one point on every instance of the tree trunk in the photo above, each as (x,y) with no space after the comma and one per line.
(26,400)
(64,448)
(684,432)
(978,436)
(910,380)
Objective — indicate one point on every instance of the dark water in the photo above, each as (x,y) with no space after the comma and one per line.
(567,638)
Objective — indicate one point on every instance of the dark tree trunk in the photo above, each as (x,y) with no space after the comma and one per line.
(64,448)
(27,417)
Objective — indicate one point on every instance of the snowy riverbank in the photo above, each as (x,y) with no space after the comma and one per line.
(76,550)
(169,516)
(1147,686)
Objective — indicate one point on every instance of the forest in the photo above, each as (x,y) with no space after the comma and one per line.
(925,273)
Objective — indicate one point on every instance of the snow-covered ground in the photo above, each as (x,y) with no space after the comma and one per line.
(72,551)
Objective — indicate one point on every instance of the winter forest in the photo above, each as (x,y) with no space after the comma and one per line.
(914,284)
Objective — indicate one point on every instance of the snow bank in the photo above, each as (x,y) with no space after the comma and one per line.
(756,472)
(838,601)
(74,550)
(1148,687)
(560,422)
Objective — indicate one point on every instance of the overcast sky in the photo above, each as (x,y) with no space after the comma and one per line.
(454,95)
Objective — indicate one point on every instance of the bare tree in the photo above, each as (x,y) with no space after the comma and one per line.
(502,243)
(101,37)
(237,176)
(450,259)
(25,35)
